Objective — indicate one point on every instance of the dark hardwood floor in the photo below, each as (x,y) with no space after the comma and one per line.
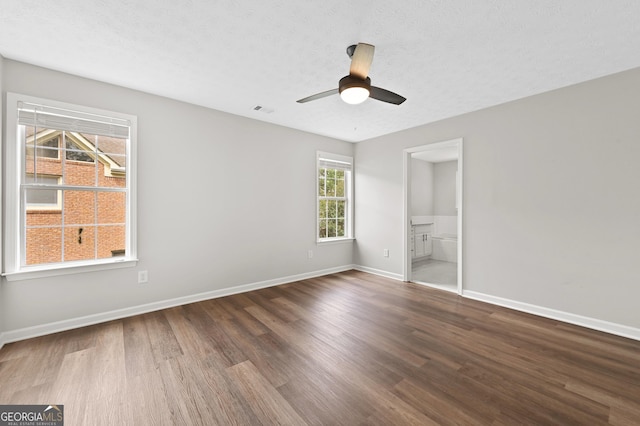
(349,348)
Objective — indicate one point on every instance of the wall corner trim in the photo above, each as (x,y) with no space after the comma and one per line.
(592,323)
(68,324)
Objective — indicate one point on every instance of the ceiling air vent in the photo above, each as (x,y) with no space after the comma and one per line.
(261,108)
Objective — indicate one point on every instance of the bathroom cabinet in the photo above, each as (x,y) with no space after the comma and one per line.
(421,244)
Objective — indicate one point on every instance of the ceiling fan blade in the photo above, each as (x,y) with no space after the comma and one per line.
(361,60)
(318,96)
(386,96)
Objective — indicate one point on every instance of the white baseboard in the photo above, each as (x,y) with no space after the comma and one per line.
(55,327)
(380,272)
(592,323)
(40,330)
(595,324)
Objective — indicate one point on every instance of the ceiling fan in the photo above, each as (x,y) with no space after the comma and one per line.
(356,87)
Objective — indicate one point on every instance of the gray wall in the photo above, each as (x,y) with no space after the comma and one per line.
(444,188)
(551,198)
(2,100)
(551,195)
(222,201)
(421,188)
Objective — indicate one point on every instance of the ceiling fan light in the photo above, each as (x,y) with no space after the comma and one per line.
(354,95)
(354,90)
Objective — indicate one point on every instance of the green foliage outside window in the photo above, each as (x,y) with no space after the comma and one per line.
(332,203)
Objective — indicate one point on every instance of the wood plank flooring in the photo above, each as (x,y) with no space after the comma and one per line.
(344,349)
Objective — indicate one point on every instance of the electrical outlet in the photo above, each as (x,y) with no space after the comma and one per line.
(143,277)
(385,252)
(310,254)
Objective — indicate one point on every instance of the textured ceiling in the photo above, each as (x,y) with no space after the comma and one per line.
(447,57)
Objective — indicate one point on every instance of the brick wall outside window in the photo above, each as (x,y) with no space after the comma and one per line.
(44,245)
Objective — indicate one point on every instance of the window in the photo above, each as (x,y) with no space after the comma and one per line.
(335,207)
(70,188)
(43,199)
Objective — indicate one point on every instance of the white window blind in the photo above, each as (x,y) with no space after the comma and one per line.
(42,116)
(332,163)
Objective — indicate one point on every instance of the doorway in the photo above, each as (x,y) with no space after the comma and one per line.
(433,215)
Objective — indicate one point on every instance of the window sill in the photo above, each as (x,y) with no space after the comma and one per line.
(335,241)
(52,271)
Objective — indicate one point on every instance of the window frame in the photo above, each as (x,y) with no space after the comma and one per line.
(348,197)
(13,221)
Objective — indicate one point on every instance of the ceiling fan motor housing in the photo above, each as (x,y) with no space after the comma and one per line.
(351,81)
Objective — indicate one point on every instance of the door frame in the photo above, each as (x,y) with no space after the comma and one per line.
(406,159)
